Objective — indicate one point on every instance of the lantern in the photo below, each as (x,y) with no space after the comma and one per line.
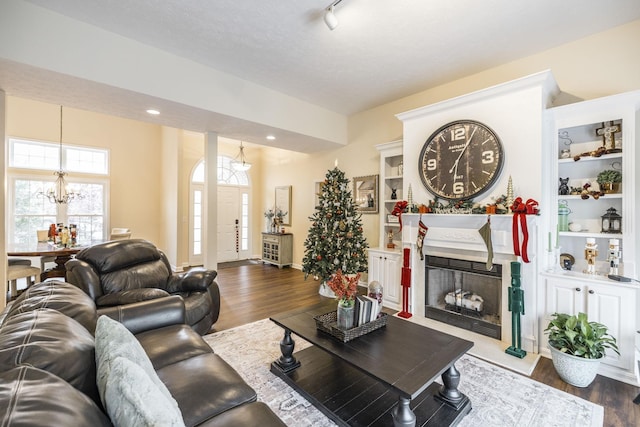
(611,222)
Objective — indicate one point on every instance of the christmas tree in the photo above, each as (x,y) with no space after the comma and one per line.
(335,240)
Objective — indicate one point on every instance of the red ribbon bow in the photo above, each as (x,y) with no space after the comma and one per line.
(398,209)
(520,211)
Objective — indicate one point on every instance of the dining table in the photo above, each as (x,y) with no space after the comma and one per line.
(61,254)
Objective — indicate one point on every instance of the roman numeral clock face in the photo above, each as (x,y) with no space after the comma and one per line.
(460,160)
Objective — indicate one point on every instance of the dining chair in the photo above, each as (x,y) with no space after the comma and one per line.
(43,236)
(20,268)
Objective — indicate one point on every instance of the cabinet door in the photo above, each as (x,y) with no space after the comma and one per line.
(392,292)
(614,307)
(565,296)
(376,267)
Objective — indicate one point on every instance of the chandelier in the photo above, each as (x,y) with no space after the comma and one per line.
(59,193)
(239,163)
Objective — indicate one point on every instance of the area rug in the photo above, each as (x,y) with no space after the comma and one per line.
(499,397)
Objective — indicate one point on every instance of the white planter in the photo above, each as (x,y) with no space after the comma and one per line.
(577,371)
(326,291)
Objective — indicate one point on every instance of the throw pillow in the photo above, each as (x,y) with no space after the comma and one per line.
(113,340)
(132,399)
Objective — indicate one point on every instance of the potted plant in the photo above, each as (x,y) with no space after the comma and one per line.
(577,346)
(609,180)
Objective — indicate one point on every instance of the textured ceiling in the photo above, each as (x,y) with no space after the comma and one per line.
(381,50)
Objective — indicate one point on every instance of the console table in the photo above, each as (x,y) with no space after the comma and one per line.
(277,249)
(383,378)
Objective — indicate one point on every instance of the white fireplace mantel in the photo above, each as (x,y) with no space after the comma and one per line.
(457,236)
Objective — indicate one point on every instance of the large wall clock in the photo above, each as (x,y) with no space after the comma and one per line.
(461,160)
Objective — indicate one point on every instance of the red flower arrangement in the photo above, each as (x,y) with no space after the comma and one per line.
(345,287)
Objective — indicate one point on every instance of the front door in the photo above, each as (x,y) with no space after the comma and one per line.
(228,224)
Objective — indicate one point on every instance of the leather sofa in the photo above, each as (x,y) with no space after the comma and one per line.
(122,272)
(48,362)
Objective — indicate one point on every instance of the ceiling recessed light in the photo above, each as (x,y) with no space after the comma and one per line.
(271,137)
(153,112)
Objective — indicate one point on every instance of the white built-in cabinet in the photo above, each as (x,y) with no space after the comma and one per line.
(385,264)
(576,128)
(610,304)
(386,268)
(391,179)
(614,304)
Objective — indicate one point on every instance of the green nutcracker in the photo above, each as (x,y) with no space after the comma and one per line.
(516,307)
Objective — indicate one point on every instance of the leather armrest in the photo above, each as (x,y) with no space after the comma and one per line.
(82,274)
(196,279)
(147,315)
(131,296)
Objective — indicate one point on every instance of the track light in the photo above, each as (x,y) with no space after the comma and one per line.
(329,17)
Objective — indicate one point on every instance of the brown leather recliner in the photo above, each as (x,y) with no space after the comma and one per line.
(128,271)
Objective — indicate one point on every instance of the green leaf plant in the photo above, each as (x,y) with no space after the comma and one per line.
(576,336)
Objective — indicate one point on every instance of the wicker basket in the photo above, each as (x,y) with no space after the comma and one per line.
(327,323)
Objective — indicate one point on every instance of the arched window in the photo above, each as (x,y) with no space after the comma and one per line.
(226,174)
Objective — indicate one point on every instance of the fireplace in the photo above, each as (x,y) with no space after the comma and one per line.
(465,294)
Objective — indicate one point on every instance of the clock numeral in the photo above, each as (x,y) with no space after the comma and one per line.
(431,164)
(457,134)
(458,188)
(487,157)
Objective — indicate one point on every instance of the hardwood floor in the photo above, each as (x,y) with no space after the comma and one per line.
(256,291)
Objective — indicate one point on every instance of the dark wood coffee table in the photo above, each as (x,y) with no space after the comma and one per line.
(385,377)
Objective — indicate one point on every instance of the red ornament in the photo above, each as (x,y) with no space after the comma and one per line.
(319,257)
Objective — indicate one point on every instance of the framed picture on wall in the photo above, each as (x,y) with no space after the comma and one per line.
(317,190)
(283,203)
(365,193)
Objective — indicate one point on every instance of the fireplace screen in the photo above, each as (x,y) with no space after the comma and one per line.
(464,294)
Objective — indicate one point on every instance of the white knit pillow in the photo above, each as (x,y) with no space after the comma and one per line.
(113,340)
(133,400)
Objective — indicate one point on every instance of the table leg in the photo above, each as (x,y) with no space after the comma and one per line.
(59,270)
(287,363)
(402,414)
(449,393)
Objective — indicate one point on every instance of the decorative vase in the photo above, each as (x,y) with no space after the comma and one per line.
(574,370)
(375,292)
(611,187)
(345,315)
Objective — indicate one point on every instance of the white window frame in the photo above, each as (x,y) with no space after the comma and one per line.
(24,172)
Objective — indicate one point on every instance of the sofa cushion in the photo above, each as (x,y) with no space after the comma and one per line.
(131,296)
(60,296)
(205,386)
(185,343)
(49,340)
(132,399)
(113,340)
(249,414)
(31,397)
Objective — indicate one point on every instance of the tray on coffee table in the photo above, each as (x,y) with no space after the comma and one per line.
(328,323)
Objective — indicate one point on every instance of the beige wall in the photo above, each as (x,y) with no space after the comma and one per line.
(135,168)
(580,69)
